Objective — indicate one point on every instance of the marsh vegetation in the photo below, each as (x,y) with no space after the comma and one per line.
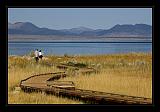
(128,74)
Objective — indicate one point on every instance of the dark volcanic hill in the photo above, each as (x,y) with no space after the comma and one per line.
(27,28)
(126,30)
(141,30)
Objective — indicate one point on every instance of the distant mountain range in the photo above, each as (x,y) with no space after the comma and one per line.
(126,30)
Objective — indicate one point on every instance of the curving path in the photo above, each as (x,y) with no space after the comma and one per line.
(39,83)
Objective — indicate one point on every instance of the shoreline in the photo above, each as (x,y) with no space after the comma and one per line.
(79,42)
(74,55)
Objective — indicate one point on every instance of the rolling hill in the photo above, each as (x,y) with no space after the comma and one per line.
(125,30)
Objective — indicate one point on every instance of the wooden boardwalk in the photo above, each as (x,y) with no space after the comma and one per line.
(40,83)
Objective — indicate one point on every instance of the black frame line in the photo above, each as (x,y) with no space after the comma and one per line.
(71,42)
(80,105)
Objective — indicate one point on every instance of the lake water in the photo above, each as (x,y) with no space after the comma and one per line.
(23,48)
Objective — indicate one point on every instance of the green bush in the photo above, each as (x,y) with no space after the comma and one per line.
(66,55)
(81,65)
(31,54)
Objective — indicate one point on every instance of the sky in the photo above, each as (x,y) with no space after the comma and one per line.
(66,18)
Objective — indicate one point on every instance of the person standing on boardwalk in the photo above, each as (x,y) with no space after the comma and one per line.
(40,54)
(36,53)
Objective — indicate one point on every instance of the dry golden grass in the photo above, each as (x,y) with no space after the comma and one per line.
(129,74)
(38,98)
(113,82)
(21,68)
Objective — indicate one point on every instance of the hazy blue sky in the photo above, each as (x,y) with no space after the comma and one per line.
(96,18)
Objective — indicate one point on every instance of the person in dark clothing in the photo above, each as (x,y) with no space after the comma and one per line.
(40,54)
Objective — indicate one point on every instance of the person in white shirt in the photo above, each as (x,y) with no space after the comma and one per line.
(40,54)
(36,53)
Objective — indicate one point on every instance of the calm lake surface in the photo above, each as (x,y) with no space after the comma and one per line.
(23,48)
